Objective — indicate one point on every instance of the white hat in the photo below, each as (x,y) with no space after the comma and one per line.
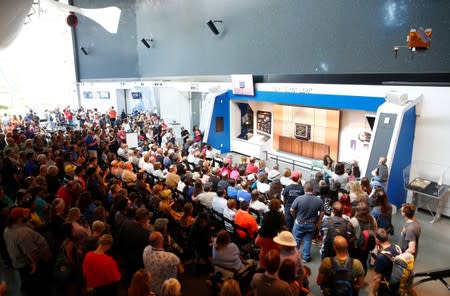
(273,174)
(285,238)
(251,177)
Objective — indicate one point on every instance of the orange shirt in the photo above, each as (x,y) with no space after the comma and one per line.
(112,114)
(246,220)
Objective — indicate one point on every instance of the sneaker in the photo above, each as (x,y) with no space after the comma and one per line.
(306,261)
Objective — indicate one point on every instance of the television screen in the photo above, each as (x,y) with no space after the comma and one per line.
(136,95)
(243,85)
(303,131)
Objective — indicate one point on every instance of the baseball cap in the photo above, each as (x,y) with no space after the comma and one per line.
(160,223)
(70,168)
(295,176)
(165,193)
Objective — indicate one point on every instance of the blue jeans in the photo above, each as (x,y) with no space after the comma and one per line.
(304,232)
(289,218)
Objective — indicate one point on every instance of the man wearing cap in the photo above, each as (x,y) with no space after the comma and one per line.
(166,203)
(289,194)
(305,210)
(133,238)
(29,252)
(66,192)
(161,264)
(69,172)
(287,245)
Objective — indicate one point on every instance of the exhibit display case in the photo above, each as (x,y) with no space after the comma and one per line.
(428,184)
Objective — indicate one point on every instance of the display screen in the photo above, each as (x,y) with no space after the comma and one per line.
(303,131)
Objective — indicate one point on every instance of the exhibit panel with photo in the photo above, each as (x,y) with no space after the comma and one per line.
(307,132)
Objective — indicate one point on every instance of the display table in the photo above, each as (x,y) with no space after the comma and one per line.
(429,189)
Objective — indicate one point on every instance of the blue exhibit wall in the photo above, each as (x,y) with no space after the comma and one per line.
(402,158)
(221,140)
(316,100)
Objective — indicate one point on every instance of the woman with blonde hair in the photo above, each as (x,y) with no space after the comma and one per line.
(171,287)
(357,194)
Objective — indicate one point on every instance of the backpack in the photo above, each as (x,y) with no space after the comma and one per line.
(342,278)
(338,226)
(366,240)
(402,272)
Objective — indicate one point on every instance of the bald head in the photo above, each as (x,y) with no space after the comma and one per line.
(156,239)
(340,244)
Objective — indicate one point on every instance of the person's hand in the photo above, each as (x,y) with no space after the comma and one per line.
(33,268)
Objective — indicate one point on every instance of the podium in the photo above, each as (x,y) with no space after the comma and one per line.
(425,182)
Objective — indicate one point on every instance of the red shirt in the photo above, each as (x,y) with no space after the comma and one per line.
(66,196)
(100,270)
(246,220)
(251,168)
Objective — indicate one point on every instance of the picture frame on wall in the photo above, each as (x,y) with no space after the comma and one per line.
(104,95)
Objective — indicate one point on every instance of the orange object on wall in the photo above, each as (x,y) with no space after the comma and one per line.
(419,38)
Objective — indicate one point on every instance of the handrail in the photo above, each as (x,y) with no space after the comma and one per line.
(433,275)
(288,160)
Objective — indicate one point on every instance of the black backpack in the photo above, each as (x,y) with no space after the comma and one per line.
(338,226)
(341,277)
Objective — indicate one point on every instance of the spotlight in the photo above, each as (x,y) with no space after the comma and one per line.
(212,26)
(84,50)
(147,42)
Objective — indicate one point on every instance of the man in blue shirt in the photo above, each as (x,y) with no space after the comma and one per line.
(308,212)
(290,193)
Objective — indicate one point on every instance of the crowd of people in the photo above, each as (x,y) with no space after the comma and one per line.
(80,205)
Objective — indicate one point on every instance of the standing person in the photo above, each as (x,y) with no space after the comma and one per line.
(29,252)
(336,225)
(198,137)
(273,222)
(308,213)
(112,116)
(410,234)
(337,273)
(100,270)
(363,223)
(289,194)
(268,283)
(161,264)
(383,211)
(383,263)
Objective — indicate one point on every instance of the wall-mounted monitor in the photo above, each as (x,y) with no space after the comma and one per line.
(303,131)
(136,95)
(243,85)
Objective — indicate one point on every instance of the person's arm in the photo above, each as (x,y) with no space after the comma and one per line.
(319,220)
(376,283)
(320,279)
(411,247)
(293,211)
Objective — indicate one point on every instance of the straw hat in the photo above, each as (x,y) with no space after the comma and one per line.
(285,238)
